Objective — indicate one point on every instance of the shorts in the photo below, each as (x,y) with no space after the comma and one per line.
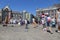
(58,23)
(48,24)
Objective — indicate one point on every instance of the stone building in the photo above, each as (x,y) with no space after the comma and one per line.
(16,15)
(45,10)
(6,14)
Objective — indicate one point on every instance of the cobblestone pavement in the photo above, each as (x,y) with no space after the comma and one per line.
(19,33)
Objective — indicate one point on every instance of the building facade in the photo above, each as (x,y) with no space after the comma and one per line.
(45,10)
(16,15)
(25,15)
(6,14)
(28,16)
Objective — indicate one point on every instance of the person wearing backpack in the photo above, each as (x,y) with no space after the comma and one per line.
(48,22)
(26,25)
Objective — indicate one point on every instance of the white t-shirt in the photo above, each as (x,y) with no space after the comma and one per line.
(43,22)
(46,13)
(14,21)
(58,18)
(33,20)
(49,18)
(25,21)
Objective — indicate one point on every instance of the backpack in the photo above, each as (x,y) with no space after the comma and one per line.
(48,19)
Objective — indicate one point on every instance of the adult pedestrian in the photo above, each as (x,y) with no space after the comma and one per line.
(48,23)
(58,19)
(26,25)
(34,22)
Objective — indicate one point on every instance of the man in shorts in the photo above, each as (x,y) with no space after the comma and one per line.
(48,23)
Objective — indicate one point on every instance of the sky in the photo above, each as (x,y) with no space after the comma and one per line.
(28,5)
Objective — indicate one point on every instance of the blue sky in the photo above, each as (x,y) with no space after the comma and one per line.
(29,5)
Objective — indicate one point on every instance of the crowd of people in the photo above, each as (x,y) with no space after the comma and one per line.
(51,20)
(47,20)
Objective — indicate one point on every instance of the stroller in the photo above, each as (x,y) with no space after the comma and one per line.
(53,23)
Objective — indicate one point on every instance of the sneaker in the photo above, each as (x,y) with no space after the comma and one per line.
(56,30)
(48,30)
(51,32)
(59,31)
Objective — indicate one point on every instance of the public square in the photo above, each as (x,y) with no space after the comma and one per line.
(18,33)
